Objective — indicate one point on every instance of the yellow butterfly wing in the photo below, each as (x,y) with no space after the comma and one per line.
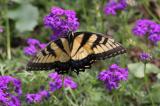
(55,55)
(88,47)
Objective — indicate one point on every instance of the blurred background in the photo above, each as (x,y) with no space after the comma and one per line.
(23,19)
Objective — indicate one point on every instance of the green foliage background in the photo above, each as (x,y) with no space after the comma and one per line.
(24,18)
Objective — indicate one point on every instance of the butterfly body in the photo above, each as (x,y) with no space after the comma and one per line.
(75,52)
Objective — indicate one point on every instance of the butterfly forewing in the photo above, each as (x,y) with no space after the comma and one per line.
(55,55)
(89,47)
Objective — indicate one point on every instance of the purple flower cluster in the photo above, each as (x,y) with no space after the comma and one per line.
(10,91)
(145,56)
(147,27)
(33,46)
(113,76)
(58,82)
(37,97)
(61,21)
(112,6)
(54,85)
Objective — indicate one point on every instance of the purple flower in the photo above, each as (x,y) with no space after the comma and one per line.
(54,76)
(42,45)
(37,97)
(141,27)
(45,94)
(68,82)
(154,27)
(33,98)
(57,82)
(31,41)
(3,96)
(1,29)
(30,50)
(113,76)
(61,21)
(6,80)
(154,37)
(147,27)
(14,101)
(33,46)
(10,91)
(145,56)
(112,7)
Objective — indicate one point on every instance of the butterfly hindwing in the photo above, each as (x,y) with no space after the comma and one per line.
(89,47)
(106,47)
(54,55)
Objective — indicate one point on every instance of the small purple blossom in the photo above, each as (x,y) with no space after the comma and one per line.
(54,76)
(33,98)
(154,37)
(147,27)
(57,82)
(31,41)
(6,80)
(145,56)
(45,94)
(14,101)
(141,27)
(112,6)
(34,45)
(1,29)
(42,45)
(61,21)
(37,97)
(10,91)
(30,50)
(113,76)
(68,82)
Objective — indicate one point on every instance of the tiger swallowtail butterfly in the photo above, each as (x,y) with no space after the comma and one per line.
(75,52)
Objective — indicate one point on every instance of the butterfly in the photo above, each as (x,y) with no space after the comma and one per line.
(75,52)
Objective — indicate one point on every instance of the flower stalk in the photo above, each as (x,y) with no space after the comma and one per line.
(7,32)
(147,86)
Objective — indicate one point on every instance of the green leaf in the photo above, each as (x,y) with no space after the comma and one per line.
(19,1)
(155,92)
(158,75)
(26,17)
(151,68)
(137,69)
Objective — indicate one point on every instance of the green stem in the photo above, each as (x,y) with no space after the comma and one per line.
(102,18)
(7,32)
(73,96)
(116,99)
(37,104)
(64,93)
(63,88)
(85,13)
(147,87)
(150,13)
(70,101)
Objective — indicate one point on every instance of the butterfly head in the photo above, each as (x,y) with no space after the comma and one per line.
(70,35)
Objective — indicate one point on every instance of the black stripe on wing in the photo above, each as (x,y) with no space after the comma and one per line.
(60,68)
(99,38)
(82,64)
(60,45)
(40,61)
